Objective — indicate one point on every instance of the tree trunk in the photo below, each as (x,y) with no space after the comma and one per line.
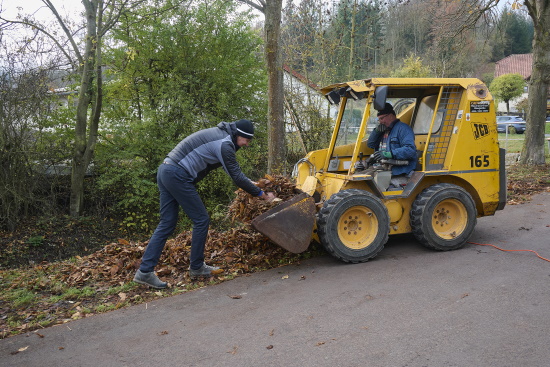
(90,95)
(275,106)
(533,149)
(352,42)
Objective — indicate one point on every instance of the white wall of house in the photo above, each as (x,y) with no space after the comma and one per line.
(310,96)
(501,108)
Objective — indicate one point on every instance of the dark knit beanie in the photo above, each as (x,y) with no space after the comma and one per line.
(245,128)
(388,108)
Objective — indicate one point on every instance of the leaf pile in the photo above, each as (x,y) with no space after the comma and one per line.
(237,251)
(244,207)
(526,181)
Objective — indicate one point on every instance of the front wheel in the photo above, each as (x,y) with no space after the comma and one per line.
(353,225)
(443,217)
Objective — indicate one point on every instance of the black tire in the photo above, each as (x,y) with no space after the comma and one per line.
(353,225)
(443,217)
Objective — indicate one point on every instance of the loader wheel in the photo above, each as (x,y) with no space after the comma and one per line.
(353,225)
(443,217)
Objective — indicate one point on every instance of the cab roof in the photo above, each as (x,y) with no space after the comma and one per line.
(363,85)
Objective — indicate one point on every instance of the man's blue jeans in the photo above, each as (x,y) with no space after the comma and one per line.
(177,189)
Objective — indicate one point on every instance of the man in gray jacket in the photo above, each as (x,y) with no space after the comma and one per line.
(189,162)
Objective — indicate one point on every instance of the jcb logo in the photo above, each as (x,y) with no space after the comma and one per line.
(480,130)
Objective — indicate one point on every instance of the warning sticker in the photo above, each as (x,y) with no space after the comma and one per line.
(479,106)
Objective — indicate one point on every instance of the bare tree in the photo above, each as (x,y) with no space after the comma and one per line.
(533,148)
(539,11)
(24,98)
(275,89)
(85,59)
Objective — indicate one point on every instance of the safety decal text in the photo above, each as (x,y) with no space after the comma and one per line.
(479,106)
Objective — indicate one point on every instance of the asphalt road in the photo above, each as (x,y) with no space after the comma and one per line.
(408,307)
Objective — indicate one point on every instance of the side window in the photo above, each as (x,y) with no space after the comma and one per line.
(425,115)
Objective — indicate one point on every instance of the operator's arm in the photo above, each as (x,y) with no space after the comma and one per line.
(405,148)
(234,170)
(374,139)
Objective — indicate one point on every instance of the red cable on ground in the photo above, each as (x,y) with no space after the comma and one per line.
(498,248)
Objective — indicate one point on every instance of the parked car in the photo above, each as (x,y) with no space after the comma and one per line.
(513,123)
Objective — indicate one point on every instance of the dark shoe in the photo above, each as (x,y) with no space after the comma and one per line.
(149,279)
(205,271)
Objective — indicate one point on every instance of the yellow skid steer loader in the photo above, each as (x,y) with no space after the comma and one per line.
(351,211)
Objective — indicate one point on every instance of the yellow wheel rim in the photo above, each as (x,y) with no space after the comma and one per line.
(449,219)
(357,227)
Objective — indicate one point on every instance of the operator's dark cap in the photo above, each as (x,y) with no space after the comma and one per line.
(388,108)
(245,128)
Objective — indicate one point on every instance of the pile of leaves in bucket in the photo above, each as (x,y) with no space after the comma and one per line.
(55,293)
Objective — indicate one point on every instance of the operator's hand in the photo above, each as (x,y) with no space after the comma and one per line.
(381,154)
(268,196)
(381,128)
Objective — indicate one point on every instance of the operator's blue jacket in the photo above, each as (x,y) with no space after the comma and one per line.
(400,144)
(208,149)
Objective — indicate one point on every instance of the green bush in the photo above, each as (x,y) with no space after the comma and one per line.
(130,189)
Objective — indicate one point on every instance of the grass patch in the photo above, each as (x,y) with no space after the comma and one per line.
(513,143)
(22,298)
(77,293)
(126,287)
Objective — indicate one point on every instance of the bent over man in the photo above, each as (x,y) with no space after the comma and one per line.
(189,162)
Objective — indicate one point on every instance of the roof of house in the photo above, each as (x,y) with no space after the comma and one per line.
(300,77)
(518,63)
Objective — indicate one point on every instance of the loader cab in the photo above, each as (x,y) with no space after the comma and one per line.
(430,110)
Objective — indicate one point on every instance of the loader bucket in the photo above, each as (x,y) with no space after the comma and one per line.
(290,224)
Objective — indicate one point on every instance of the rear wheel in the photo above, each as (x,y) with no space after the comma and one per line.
(353,225)
(443,217)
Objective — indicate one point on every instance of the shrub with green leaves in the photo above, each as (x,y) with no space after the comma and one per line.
(197,66)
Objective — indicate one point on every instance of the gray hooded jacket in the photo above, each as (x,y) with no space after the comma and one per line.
(208,149)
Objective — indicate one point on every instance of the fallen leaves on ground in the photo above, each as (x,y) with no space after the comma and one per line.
(107,274)
(526,181)
(104,273)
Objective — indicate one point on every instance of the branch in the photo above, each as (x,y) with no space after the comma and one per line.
(468,13)
(40,29)
(49,4)
(532,10)
(112,18)
(260,6)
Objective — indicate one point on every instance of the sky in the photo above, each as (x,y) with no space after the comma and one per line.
(10,8)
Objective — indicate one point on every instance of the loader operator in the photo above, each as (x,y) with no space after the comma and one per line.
(393,139)
(189,162)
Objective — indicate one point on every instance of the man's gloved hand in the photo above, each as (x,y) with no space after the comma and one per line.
(381,128)
(268,196)
(381,154)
